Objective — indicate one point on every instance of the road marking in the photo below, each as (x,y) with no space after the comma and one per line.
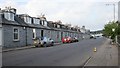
(86,62)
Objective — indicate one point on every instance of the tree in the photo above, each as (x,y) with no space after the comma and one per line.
(108,30)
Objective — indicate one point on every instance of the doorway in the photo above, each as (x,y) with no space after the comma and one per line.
(42,32)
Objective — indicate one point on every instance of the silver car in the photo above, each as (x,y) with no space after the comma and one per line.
(43,42)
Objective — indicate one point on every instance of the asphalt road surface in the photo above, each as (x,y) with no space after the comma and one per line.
(73,54)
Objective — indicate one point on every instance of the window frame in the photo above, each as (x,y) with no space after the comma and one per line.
(28,19)
(36,21)
(9,16)
(34,33)
(18,37)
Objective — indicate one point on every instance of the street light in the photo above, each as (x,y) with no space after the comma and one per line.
(113,9)
(114,20)
(113,29)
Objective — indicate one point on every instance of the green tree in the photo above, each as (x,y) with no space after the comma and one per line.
(108,30)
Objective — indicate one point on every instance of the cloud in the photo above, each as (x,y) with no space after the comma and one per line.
(76,12)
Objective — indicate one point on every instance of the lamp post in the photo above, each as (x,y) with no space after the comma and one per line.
(113,10)
(114,19)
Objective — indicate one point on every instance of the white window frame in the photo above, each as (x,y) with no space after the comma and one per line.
(54,25)
(36,21)
(27,19)
(14,33)
(34,32)
(9,16)
(58,26)
(45,23)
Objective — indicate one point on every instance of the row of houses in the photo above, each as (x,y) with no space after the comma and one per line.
(18,30)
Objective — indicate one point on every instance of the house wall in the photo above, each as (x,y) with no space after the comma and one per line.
(26,35)
(29,36)
(54,34)
(38,32)
(1,37)
(86,36)
(59,36)
(8,36)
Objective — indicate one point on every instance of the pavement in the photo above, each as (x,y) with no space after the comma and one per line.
(21,48)
(106,55)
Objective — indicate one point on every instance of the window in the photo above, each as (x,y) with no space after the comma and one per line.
(58,26)
(16,34)
(45,23)
(34,34)
(27,20)
(36,21)
(40,22)
(9,16)
(54,25)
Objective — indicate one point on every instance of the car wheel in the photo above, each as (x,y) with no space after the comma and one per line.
(36,46)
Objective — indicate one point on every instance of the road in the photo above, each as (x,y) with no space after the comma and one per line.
(73,54)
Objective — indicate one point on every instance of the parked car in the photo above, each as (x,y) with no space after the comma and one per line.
(92,37)
(66,40)
(75,39)
(43,42)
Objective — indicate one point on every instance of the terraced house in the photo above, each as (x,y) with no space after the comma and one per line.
(20,30)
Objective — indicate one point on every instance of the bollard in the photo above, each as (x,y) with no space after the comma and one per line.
(95,49)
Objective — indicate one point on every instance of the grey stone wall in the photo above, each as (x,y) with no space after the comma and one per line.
(26,35)
(8,36)
(1,37)
(29,36)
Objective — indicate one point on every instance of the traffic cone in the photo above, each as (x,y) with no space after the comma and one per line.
(95,49)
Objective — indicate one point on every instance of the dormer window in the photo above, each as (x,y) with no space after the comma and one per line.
(54,25)
(58,26)
(42,22)
(36,21)
(9,16)
(45,23)
(27,19)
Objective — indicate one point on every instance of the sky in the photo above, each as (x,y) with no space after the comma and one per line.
(93,14)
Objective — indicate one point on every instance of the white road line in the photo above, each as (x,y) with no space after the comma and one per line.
(87,61)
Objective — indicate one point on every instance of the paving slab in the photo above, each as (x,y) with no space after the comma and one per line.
(106,55)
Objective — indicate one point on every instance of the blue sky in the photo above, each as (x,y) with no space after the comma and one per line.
(93,14)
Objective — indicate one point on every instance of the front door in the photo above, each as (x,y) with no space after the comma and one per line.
(42,32)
